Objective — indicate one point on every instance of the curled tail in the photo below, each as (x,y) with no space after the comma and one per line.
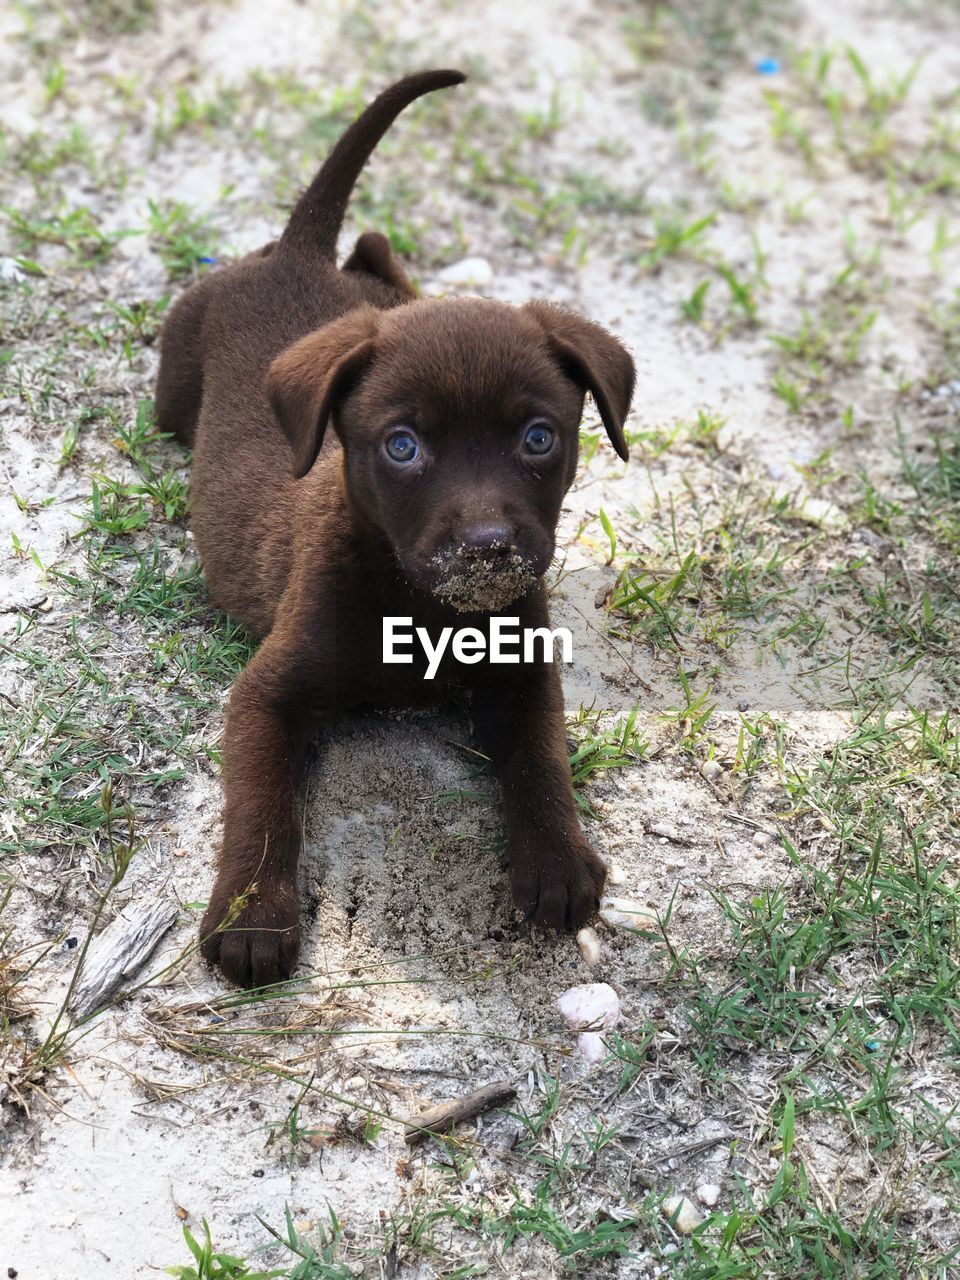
(316,219)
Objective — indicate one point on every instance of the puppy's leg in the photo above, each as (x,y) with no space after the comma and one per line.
(372,254)
(264,749)
(556,877)
(180,379)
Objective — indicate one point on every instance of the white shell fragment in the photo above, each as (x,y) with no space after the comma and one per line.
(619,913)
(589,945)
(616,875)
(708,1194)
(10,271)
(591,1046)
(468,272)
(824,514)
(594,1006)
(688,1215)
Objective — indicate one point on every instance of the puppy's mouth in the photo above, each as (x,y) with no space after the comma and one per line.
(472,583)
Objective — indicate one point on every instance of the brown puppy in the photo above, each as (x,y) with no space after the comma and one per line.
(435,497)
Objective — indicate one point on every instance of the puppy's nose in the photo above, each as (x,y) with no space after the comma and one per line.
(490,539)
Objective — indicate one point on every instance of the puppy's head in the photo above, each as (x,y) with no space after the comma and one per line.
(460,426)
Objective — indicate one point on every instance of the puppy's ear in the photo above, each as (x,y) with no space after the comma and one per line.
(593,359)
(307,380)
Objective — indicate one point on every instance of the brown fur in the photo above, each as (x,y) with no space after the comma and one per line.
(310,536)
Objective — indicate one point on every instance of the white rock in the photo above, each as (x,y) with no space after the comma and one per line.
(11,271)
(711,770)
(589,945)
(591,1046)
(688,1215)
(762,838)
(615,873)
(822,513)
(594,1006)
(664,832)
(708,1194)
(620,913)
(468,272)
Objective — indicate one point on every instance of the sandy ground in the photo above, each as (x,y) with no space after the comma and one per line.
(426,984)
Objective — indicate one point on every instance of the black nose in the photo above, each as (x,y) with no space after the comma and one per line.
(488,539)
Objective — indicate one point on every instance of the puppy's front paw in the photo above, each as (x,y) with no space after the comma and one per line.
(261,943)
(559,892)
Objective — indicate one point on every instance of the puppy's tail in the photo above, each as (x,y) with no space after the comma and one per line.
(315,221)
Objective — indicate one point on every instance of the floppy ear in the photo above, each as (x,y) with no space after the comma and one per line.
(306,381)
(594,360)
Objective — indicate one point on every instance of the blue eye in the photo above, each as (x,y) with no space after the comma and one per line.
(538,438)
(402,447)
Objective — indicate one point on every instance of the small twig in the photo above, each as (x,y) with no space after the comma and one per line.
(447,1114)
(703,1145)
(663,832)
(749,822)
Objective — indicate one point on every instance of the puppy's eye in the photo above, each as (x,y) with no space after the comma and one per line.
(538,438)
(402,446)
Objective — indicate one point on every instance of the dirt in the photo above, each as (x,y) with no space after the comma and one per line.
(426,982)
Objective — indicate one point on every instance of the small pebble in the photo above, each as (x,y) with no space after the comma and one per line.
(590,1007)
(589,945)
(468,272)
(688,1215)
(664,831)
(762,838)
(822,513)
(871,539)
(711,770)
(615,873)
(619,913)
(10,271)
(708,1194)
(591,1046)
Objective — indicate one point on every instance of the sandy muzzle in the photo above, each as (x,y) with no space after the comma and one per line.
(481,584)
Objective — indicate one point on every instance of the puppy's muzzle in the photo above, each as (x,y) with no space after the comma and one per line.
(483,573)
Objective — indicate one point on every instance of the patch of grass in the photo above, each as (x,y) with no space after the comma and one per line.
(312,1259)
(742,291)
(694,714)
(93,716)
(41,154)
(935,484)
(16,966)
(598,749)
(184,239)
(673,235)
(792,1228)
(75,229)
(693,306)
(187,111)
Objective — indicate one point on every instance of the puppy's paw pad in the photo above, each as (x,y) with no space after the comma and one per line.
(562,893)
(259,945)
